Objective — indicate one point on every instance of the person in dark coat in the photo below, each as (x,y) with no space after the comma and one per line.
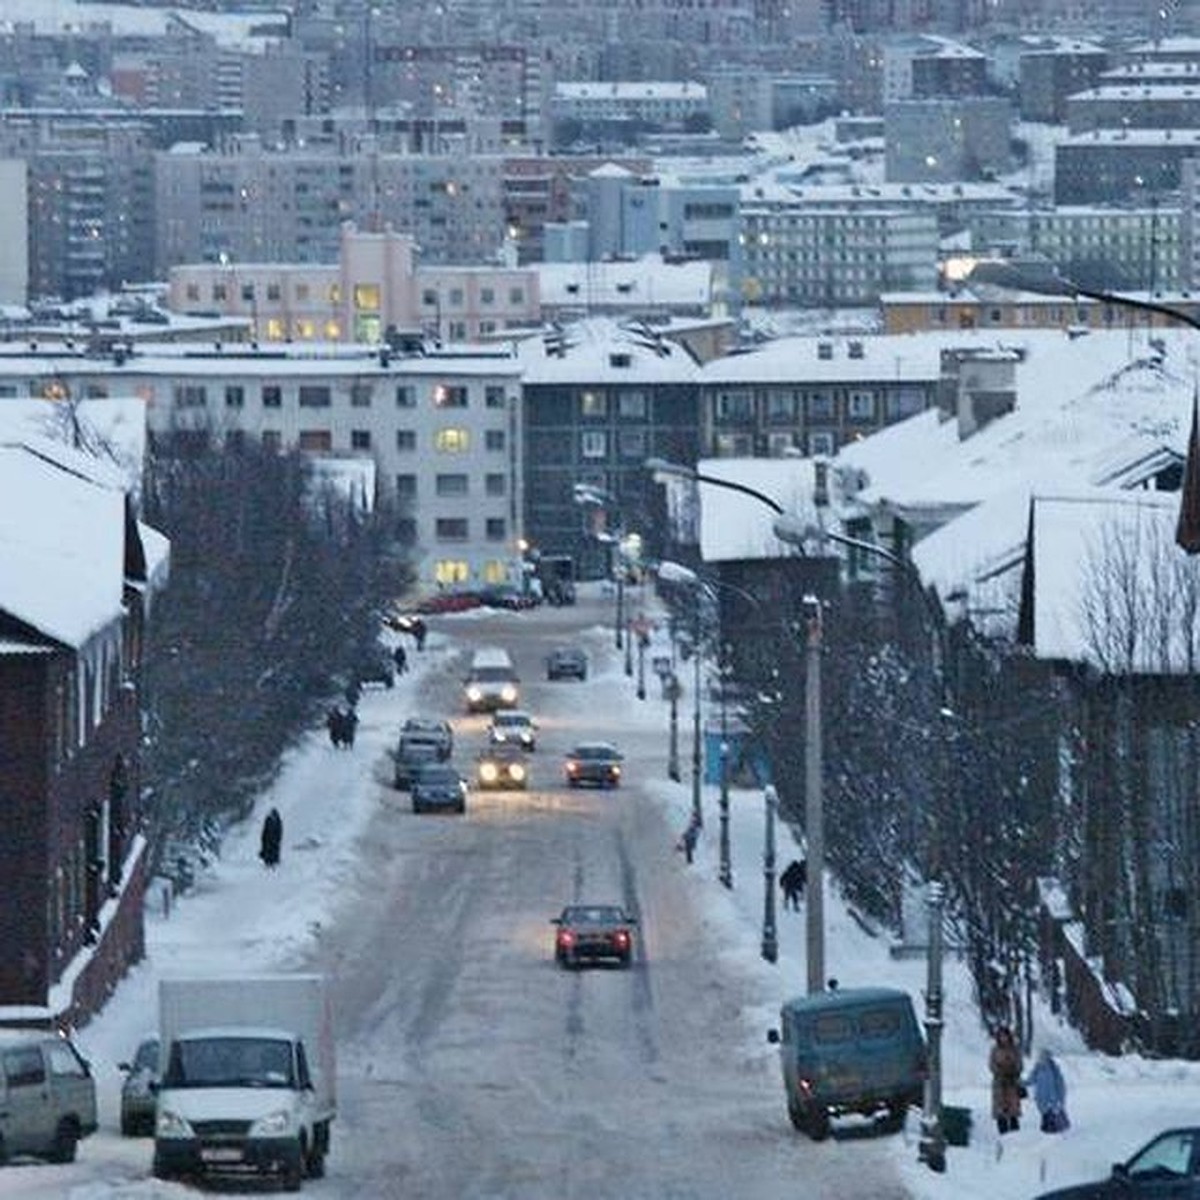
(349,725)
(419,631)
(689,838)
(1005,1064)
(793,881)
(1049,1093)
(272,839)
(400,655)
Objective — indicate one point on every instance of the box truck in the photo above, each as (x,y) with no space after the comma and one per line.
(247,1078)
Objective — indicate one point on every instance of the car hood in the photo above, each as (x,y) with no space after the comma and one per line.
(225,1103)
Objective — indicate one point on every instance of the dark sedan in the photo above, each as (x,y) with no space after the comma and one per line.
(593,932)
(566,662)
(1167,1166)
(502,766)
(597,763)
(438,787)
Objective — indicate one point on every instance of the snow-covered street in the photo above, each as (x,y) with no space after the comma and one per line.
(471,1066)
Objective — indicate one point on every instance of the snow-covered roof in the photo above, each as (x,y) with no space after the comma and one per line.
(603,351)
(632,90)
(636,284)
(62,544)
(895,357)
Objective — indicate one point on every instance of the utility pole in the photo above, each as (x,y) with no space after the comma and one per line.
(697,656)
(726,868)
(814,800)
(673,771)
(641,674)
(932,1148)
(770,939)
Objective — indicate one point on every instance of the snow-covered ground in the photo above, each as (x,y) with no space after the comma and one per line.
(242,917)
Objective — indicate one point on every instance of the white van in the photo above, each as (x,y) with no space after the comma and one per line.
(47,1096)
(492,681)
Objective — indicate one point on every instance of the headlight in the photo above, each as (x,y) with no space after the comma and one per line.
(487,772)
(508,694)
(272,1124)
(171,1125)
(517,771)
(474,695)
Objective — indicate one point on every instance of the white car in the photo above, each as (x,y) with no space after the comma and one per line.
(513,727)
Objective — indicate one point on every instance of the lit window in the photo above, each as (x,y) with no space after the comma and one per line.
(452,441)
(333,331)
(445,396)
(335,293)
(594,443)
(366,296)
(495,571)
(593,404)
(451,571)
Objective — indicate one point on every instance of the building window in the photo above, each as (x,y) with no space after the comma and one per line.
(360,439)
(360,395)
(315,440)
(861,406)
(429,298)
(820,406)
(494,439)
(496,529)
(821,442)
(272,395)
(406,439)
(248,293)
(495,485)
(632,443)
(272,440)
(190,395)
(456,297)
(447,396)
(516,297)
(734,406)
(458,331)
(451,529)
(452,441)
(781,408)
(406,396)
(495,570)
(451,485)
(302,293)
(593,404)
(493,396)
(449,571)
(235,396)
(487,296)
(632,406)
(366,297)
(315,395)
(192,293)
(274,292)
(593,443)
(219,293)
(406,486)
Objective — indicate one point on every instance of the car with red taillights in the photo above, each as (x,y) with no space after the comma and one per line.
(593,933)
(597,763)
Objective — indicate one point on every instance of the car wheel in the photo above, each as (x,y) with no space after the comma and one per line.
(817,1124)
(66,1141)
(796,1115)
(626,961)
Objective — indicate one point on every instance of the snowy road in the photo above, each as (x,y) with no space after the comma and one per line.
(473,1067)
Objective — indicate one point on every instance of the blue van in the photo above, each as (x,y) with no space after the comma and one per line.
(852,1050)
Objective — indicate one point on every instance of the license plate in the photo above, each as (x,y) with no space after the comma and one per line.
(220,1154)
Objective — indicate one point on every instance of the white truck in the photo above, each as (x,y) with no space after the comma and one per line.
(246,1078)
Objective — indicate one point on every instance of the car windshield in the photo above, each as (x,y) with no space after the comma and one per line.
(492,675)
(437,777)
(1170,1155)
(511,720)
(593,752)
(230,1061)
(596,914)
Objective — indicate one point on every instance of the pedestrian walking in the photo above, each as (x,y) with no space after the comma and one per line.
(419,632)
(793,881)
(688,839)
(400,656)
(1049,1093)
(1005,1064)
(271,841)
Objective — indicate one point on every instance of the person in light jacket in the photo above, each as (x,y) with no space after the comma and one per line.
(1049,1093)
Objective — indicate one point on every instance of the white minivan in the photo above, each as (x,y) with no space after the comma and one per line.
(47,1096)
(492,681)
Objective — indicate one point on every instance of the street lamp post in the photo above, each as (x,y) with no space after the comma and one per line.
(697,656)
(673,772)
(932,1145)
(814,798)
(770,938)
(629,647)
(589,495)
(641,670)
(725,873)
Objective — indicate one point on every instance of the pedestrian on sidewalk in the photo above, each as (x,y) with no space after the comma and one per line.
(688,839)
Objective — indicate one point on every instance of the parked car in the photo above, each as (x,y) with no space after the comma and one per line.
(853,1050)
(502,766)
(567,662)
(513,726)
(138,1089)
(375,666)
(510,598)
(593,932)
(415,750)
(449,602)
(47,1095)
(596,763)
(1168,1165)
(438,787)
(437,731)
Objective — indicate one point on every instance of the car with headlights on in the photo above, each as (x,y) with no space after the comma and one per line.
(502,767)
(597,764)
(513,727)
(138,1089)
(1167,1166)
(593,933)
(438,787)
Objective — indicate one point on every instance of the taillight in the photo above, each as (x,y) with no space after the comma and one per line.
(805,1085)
(565,937)
(621,937)
(572,768)
(616,772)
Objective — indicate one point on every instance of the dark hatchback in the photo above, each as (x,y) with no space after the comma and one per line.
(1167,1166)
(595,763)
(438,787)
(593,933)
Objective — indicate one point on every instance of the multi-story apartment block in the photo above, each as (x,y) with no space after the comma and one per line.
(1113,166)
(601,105)
(258,205)
(375,289)
(1139,106)
(599,400)
(927,68)
(794,252)
(1189,223)
(1053,68)
(443,430)
(930,141)
(14,251)
(813,395)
